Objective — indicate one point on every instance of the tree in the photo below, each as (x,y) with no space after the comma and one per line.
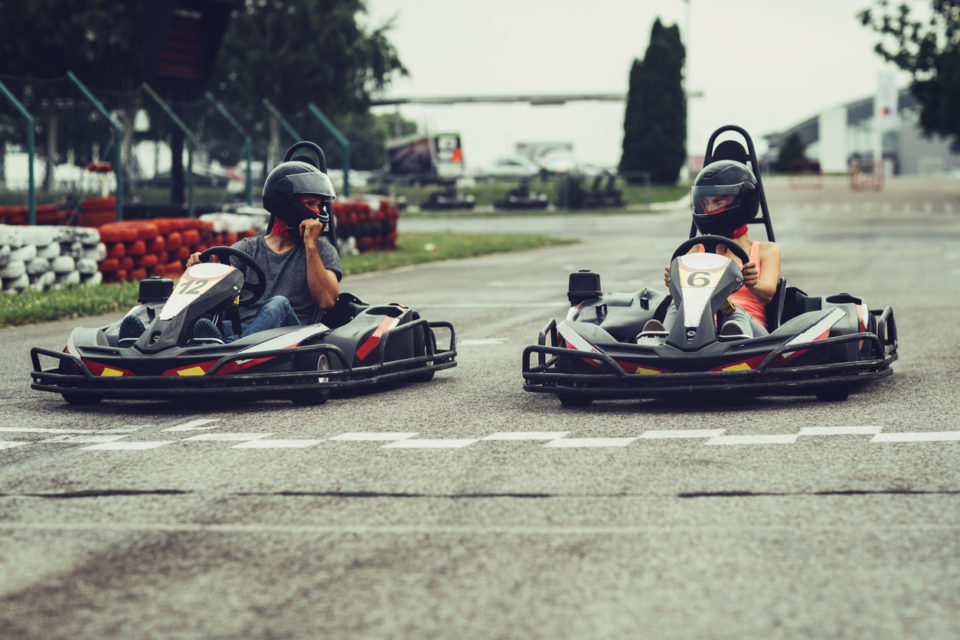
(293,52)
(929,49)
(791,154)
(655,120)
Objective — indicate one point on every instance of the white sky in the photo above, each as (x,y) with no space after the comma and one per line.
(762,64)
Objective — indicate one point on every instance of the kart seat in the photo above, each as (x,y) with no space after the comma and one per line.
(730,150)
(775,306)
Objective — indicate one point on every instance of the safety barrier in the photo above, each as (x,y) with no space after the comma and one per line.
(49,256)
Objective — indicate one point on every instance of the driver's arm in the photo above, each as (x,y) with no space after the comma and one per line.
(764,286)
(323,284)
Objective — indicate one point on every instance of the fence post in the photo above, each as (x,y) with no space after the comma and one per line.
(118,137)
(283,121)
(31,185)
(187,132)
(247,143)
(341,140)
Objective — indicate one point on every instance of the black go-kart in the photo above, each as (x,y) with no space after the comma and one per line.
(820,345)
(352,346)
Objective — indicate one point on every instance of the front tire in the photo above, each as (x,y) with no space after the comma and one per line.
(834,393)
(79,399)
(313,397)
(574,400)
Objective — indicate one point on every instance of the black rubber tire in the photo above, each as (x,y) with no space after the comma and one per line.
(574,400)
(313,397)
(80,399)
(834,393)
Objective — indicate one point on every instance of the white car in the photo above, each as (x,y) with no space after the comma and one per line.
(513,167)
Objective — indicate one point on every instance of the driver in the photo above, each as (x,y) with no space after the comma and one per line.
(724,199)
(302,269)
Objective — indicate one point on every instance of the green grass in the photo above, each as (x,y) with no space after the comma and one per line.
(31,306)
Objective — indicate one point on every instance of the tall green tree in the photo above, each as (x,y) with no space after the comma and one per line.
(791,154)
(655,120)
(928,48)
(294,52)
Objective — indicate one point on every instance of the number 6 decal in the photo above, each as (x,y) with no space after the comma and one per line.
(698,279)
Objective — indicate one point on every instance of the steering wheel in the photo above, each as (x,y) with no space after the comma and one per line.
(255,289)
(710,244)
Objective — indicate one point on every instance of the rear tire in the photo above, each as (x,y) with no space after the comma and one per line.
(574,400)
(312,397)
(834,393)
(80,399)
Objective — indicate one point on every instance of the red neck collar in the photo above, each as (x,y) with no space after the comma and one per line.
(742,231)
(280,228)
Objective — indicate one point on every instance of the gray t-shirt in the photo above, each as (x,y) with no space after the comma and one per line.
(287,274)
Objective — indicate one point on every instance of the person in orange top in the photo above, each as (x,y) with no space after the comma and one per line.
(724,198)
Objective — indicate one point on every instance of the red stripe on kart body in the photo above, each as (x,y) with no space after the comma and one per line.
(796,354)
(98,369)
(374,339)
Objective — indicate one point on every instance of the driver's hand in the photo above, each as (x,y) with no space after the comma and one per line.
(666,276)
(751,275)
(310,230)
(195,259)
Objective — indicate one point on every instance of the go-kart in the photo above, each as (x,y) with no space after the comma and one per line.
(825,346)
(353,345)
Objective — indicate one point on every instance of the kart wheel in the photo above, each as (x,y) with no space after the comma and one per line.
(574,400)
(313,397)
(427,376)
(80,399)
(834,393)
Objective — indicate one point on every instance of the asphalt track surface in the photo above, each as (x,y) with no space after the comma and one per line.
(468,508)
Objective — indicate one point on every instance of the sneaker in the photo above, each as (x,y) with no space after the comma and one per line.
(732,329)
(204,329)
(653,325)
(130,328)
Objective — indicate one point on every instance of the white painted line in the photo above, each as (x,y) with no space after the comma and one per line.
(44,430)
(194,425)
(570,443)
(68,439)
(130,428)
(473,342)
(917,436)
(428,444)
(787,438)
(10,444)
(667,434)
(375,435)
(228,437)
(527,435)
(127,446)
(840,431)
(277,444)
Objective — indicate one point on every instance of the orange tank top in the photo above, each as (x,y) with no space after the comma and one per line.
(744,298)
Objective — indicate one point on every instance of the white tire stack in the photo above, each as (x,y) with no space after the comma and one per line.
(44,257)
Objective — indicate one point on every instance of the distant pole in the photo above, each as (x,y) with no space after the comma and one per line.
(247,143)
(283,121)
(188,133)
(31,183)
(118,136)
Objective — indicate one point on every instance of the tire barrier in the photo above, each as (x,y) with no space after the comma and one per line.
(136,249)
(49,257)
(372,225)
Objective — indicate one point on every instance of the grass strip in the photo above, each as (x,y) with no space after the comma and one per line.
(29,306)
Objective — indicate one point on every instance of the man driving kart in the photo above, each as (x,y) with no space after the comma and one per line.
(302,269)
(723,199)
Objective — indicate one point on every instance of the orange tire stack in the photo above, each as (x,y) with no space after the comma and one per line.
(137,249)
(372,225)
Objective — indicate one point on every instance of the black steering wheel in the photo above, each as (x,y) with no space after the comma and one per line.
(255,289)
(710,244)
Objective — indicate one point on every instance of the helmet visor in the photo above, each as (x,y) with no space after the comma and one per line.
(312,183)
(714,199)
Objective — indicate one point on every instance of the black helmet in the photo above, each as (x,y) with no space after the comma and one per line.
(286,182)
(724,197)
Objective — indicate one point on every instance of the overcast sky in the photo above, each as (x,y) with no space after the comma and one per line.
(761,64)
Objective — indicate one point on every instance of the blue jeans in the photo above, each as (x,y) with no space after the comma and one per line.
(275,312)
